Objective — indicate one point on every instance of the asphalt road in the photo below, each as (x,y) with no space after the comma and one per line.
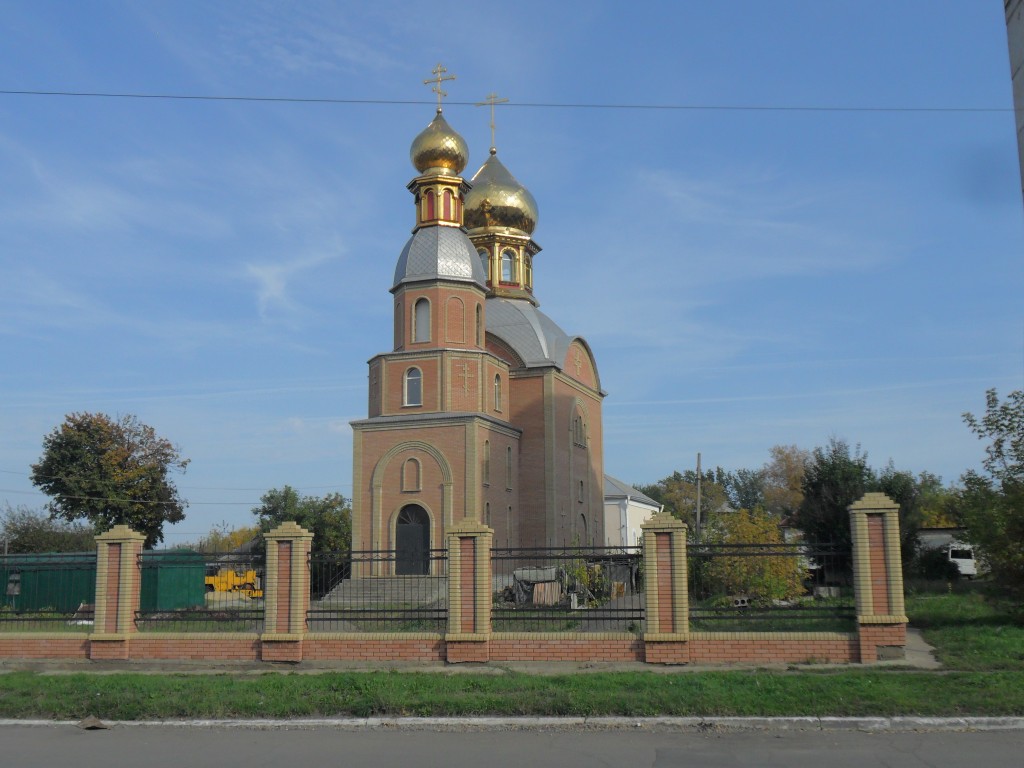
(52,746)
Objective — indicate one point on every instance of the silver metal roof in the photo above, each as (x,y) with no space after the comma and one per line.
(439,253)
(533,335)
(615,488)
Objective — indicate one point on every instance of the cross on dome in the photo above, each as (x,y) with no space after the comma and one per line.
(439,77)
(492,99)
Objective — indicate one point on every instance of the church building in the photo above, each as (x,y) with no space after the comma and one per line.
(485,409)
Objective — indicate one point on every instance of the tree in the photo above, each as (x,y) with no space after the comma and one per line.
(110,472)
(762,578)
(25,530)
(678,493)
(328,518)
(221,538)
(745,488)
(992,505)
(783,479)
(834,478)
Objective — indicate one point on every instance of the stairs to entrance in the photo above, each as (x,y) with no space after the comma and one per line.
(393,591)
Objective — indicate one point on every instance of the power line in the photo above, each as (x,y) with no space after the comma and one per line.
(525,104)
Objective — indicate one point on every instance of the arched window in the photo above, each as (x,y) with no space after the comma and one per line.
(579,431)
(447,206)
(508,266)
(485,259)
(431,205)
(487,462)
(413,387)
(479,325)
(411,475)
(487,513)
(583,528)
(421,321)
(579,496)
(399,326)
(508,467)
(497,392)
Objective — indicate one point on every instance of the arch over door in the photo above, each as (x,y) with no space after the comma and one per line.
(412,541)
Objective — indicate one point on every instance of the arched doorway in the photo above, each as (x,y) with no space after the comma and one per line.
(412,541)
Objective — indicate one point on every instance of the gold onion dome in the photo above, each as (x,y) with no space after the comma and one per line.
(439,148)
(498,200)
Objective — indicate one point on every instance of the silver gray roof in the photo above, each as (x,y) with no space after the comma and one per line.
(439,253)
(533,335)
(614,488)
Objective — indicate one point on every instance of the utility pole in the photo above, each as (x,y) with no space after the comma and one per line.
(698,494)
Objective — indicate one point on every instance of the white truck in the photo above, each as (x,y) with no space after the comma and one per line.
(962,556)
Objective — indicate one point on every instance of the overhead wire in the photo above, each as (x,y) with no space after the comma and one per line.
(525,104)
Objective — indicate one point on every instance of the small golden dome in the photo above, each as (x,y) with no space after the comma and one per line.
(439,147)
(496,199)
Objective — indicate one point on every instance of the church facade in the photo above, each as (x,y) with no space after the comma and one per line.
(484,410)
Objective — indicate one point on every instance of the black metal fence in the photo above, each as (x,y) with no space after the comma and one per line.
(578,589)
(770,588)
(187,591)
(368,592)
(53,592)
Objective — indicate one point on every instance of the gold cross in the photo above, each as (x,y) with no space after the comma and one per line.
(438,78)
(492,99)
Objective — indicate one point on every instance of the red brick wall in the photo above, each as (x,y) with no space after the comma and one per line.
(757,650)
(879,570)
(28,646)
(569,649)
(874,635)
(373,648)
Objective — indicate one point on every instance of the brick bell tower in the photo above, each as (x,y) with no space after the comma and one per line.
(438,402)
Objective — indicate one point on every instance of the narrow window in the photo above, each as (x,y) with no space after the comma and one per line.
(479,325)
(431,206)
(485,260)
(487,513)
(413,387)
(580,493)
(508,467)
(487,462)
(508,267)
(497,393)
(411,475)
(447,198)
(421,321)
(399,326)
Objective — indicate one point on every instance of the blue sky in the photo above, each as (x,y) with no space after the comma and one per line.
(746,277)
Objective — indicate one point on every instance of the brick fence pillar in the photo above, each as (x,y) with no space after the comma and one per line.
(118,584)
(285,593)
(469,592)
(667,631)
(878,577)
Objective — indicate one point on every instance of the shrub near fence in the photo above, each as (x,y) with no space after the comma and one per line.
(769,588)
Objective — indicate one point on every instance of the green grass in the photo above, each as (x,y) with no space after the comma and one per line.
(970,631)
(714,693)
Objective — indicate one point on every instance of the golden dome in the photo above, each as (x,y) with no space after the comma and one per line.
(440,148)
(496,199)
